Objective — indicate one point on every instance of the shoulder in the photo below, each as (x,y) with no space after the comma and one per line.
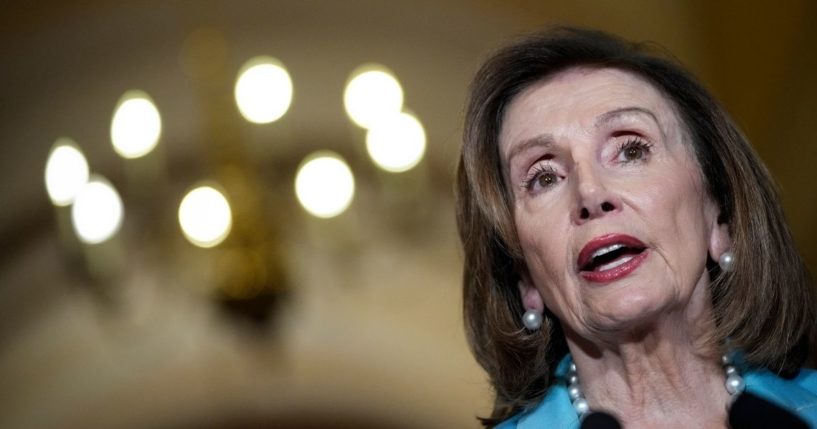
(807,379)
(798,394)
(554,412)
(511,423)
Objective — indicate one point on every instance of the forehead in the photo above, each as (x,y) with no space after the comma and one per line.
(575,98)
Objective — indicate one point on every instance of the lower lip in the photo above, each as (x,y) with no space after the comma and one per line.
(616,273)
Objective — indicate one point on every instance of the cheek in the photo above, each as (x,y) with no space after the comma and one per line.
(676,196)
(543,236)
(688,207)
(544,244)
(677,216)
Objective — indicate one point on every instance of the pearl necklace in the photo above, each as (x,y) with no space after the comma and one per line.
(734,385)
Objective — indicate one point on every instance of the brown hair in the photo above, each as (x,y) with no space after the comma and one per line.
(765,307)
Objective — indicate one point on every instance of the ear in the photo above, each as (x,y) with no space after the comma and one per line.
(720,240)
(531,298)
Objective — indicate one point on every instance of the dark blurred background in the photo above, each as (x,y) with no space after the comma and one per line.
(292,320)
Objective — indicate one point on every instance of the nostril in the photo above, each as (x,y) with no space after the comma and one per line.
(607,207)
(584,213)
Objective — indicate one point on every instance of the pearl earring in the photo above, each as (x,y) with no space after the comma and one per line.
(727,261)
(532,320)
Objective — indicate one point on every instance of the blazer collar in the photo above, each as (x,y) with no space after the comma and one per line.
(556,411)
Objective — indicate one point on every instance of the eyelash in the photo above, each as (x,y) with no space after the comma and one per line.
(534,175)
(636,143)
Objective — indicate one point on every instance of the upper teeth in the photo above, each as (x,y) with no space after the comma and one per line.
(605,250)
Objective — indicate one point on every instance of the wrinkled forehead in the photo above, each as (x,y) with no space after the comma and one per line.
(577,99)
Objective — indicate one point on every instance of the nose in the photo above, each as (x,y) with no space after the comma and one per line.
(594,198)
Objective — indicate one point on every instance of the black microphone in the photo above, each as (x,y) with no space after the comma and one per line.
(753,412)
(599,420)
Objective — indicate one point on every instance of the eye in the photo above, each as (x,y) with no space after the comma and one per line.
(633,150)
(542,177)
(547,179)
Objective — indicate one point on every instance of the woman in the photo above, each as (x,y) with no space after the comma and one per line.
(624,247)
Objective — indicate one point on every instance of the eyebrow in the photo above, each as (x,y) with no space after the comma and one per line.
(615,114)
(545,140)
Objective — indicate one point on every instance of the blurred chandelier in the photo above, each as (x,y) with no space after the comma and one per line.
(222,211)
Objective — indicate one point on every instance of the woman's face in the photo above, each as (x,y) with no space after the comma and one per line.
(609,204)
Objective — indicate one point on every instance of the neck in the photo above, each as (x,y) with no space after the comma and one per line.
(655,379)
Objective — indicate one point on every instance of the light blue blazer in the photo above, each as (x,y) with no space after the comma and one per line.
(798,395)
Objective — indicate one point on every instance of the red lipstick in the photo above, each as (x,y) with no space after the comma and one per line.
(610,257)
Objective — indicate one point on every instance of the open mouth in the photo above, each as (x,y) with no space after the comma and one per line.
(609,252)
(610,257)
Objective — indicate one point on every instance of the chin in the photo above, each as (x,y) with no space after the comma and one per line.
(631,314)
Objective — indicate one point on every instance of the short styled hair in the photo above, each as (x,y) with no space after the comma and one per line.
(765,307)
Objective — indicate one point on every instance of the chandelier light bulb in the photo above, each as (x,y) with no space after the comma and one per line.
(263,90)
(97,211)
(66,172)
(205,216)
(325,185)
(397,143)
(372,93)
(136,125)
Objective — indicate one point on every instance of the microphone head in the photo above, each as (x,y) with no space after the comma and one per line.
(599,420)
